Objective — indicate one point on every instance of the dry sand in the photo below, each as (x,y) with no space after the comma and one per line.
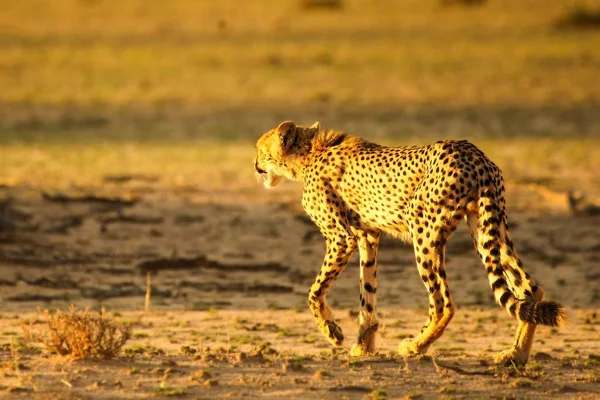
(229,315)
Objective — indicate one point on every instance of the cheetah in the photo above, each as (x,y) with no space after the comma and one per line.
(355,191)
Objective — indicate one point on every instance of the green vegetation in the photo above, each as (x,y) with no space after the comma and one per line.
(165,390)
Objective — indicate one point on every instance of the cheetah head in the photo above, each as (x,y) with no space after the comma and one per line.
(277,152)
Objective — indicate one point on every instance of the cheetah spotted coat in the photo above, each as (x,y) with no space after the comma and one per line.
(355,190)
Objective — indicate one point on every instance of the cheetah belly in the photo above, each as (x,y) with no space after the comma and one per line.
(387,215)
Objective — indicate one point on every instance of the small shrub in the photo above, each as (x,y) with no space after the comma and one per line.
(81,334)
(579,18)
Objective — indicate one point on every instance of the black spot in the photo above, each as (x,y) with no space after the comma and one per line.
(499,283)
(504,298)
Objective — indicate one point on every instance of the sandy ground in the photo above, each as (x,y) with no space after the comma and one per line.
(278,354)
(229,315)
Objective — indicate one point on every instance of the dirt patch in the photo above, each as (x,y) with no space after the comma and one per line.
(278,354)
(96,248)
(230,278)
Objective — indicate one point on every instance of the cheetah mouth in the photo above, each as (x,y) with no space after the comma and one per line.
(261,175)
(259,170)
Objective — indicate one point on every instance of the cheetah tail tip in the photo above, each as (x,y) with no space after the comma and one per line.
(552,313)
(549,313)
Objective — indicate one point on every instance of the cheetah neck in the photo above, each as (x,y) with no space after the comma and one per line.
(309,145)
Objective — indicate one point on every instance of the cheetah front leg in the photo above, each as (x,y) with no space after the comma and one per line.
(339,250)
(328,212)
(368,241)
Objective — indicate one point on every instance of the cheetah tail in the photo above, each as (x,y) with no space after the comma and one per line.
(548,313)
(487,227)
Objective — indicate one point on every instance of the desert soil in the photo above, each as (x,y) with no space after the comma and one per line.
(229,315)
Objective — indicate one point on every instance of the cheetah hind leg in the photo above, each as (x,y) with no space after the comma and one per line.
(518,354)
(368,242)
(431,266)
(520,284)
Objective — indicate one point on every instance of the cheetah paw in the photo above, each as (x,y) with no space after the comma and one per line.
(359,350)
(510,357)
(333,333)
(408,348)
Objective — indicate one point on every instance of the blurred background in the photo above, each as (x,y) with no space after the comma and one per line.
(127,134)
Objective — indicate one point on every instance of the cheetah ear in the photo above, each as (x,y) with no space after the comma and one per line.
(316,125)
(287,135)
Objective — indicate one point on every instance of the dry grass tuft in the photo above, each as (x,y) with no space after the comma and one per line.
(80,334)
